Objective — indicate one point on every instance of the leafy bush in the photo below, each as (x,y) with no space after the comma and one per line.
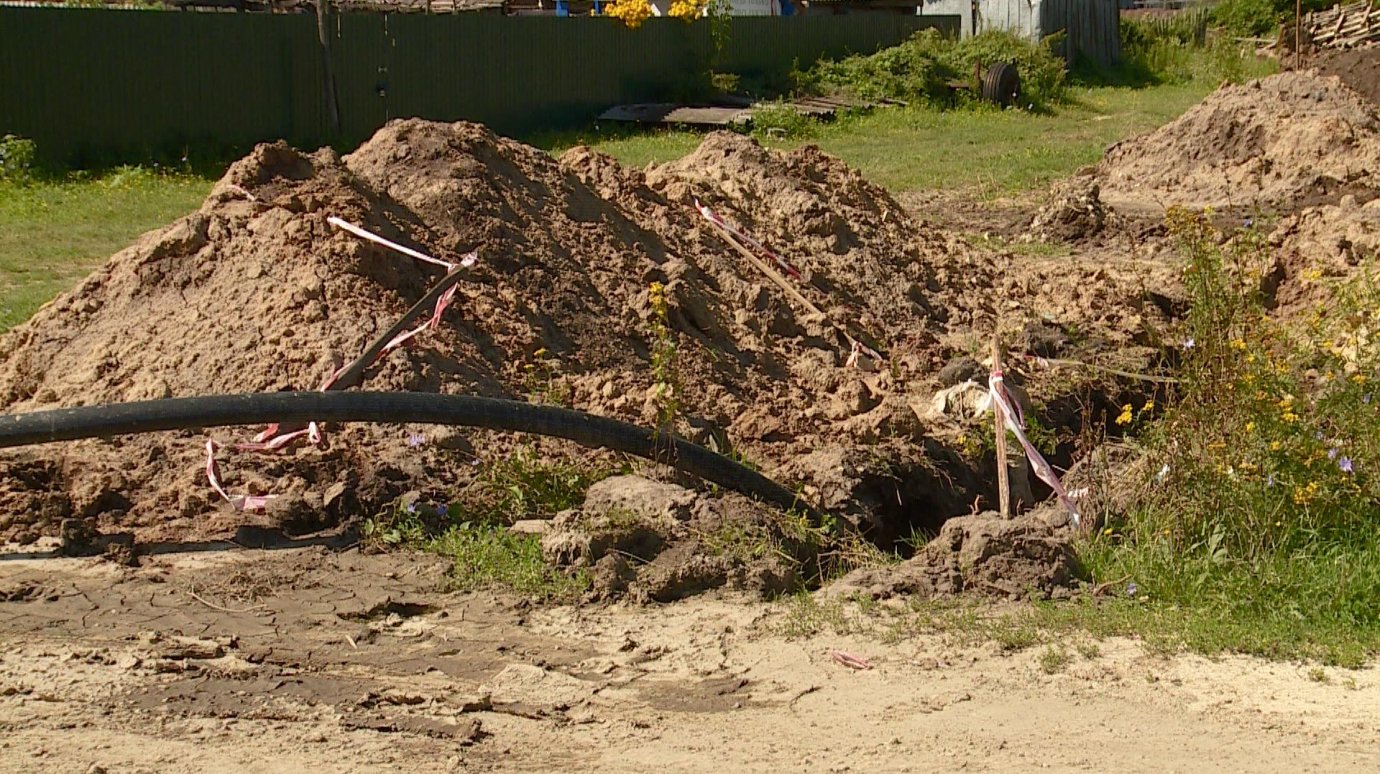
(920,69)
(1259,17)
(16,159)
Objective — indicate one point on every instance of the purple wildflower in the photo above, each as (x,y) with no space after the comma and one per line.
(1365,398)
(1189,343)
(1248,222)
(416,439)
(442,510)
(1332,453)
(1345,464)
(1132,589)
(412,507)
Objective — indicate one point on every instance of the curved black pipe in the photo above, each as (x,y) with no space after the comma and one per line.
(392,407)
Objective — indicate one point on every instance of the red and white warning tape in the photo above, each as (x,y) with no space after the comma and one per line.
(238,502)
(270,440)
(372,237)
(1015,422)
(747,239)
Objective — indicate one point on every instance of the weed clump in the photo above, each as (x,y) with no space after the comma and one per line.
(920,70)
(1264,496)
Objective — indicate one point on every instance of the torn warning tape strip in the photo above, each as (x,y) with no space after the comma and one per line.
(269,440)
(761,249)
(238,502)
(1015,422)
(372,237)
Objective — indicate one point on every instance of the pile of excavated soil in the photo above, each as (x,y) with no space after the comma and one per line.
(1333,240)
(1270,142)
(256,291)
(1358,68)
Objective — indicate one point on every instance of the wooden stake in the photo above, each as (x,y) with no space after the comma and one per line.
(1298,34)
(1003,484)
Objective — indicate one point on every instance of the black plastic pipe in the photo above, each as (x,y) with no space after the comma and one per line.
(392,407)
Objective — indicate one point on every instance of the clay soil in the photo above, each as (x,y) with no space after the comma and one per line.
(310,659)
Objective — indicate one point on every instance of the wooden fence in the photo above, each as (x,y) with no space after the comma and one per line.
(99,85)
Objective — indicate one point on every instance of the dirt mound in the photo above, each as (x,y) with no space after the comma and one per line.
(983,554)
(258,291)
(1268,142)
(1073,212)
(657,542)
(1318,245)
(1358,68)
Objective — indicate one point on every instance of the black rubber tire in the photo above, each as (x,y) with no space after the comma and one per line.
(1002,84)
(393,407)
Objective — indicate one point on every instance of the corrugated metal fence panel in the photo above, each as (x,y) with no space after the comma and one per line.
(116,83)
(86,83)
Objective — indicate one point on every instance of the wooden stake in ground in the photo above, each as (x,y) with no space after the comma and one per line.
(1003,484)
(1298,34)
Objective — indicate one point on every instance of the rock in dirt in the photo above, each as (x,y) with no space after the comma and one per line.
(982,554)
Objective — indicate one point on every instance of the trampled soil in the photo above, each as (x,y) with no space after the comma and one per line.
(314,660)
(256,291)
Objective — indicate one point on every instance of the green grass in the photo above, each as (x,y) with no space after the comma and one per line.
(470,526)
(489,556)
(986,151)
(53,232)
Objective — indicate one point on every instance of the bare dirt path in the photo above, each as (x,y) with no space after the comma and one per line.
(308,659)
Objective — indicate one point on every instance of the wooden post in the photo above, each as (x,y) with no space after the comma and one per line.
(1298,34)
(327,71)
(1003,484)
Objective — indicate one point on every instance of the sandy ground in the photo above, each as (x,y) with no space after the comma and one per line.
(313,659)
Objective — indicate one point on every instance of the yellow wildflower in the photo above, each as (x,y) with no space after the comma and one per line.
(1125,417)
(1250,427)
(1148,407)
(1238,343)
(1275,445)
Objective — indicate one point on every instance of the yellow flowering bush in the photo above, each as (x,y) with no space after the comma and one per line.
(688,10)
(631,12)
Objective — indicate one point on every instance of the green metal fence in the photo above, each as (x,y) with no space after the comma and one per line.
(92,84)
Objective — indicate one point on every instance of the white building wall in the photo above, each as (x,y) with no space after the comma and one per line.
(1021,17)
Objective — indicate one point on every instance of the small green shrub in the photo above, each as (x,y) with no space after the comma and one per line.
(1259,17)
(526,486)
(17,156)
(1181,49)
(782,122)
